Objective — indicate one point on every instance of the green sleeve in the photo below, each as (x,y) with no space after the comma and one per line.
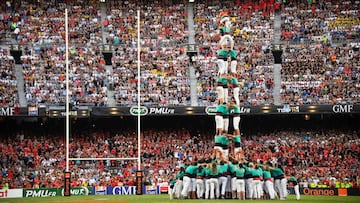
(236,109)
(225,140)
(234,81)
(218,139)
(237,139)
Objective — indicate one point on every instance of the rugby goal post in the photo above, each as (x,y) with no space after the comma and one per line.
(67,174)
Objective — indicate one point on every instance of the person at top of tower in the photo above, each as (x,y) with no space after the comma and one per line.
(225,31)
(226,57)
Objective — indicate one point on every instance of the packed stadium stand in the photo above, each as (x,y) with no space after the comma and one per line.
(35,158)
(325,29)
(320,65)
(8,83)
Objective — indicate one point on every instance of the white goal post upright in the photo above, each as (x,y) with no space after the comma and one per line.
(67,88)
(67,174)
(67,114)
(139,173)
(138,88)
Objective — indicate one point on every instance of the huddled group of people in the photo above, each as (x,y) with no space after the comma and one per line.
(325,30)
(221,179)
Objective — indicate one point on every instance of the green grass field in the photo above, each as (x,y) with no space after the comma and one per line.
(165,199)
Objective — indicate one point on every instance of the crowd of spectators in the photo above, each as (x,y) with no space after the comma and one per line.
(321,60)
(164,68)
(42,37)
(38,160)
(325,29)
(8,82)
(321,21)
(314,74)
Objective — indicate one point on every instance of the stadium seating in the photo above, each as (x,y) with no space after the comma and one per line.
(320,66)
(321,62)
(31,160)
(8,83)
(318,27)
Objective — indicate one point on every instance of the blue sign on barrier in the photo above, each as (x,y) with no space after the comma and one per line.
(121,190)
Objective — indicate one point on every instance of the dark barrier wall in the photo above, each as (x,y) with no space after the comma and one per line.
(90,111)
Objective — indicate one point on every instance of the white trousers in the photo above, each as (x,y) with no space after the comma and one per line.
(280,187)
(240,185)
(207,188)
(214,188)
(186,186)
(297,192)
(257,189)
(249,187)
(222,184)
(178,188)
(269,188)
(200,188)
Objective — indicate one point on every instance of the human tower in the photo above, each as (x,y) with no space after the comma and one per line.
(210,178)
(227,79)
(228,175)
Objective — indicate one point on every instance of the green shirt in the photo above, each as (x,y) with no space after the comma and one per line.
(293,180)
(235,110)
(225,141)
(257,172)
(209,172)
(275,172)
(266,174)
(225,30)
(237,139)
(234,81)
(184,166)
(239,172)
(348,185)
(172,183)
(222,169)
(201,172)
(222,108)
(191,170)
(231,168)
(222,80)
(218,139)
(5,186)
(180,175)
(248,171)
